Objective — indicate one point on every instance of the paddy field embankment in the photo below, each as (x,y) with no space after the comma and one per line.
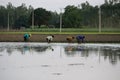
(97,38)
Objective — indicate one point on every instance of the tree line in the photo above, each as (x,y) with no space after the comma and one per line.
(81,16)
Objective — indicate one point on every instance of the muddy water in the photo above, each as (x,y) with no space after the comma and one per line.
(59,61)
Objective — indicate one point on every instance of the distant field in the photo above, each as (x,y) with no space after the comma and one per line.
(73,30)
(63,31)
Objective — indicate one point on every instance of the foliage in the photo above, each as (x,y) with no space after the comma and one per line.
(41,16)
(54,19)
(3,18)
(82,16)
(72,17)
(66,31)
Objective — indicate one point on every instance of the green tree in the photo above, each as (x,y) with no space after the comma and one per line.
(54,20)
(110,14)
(41,16)
(21,16)
(10,15)
(3,18)
(30,16)
(72,17)
(89,15)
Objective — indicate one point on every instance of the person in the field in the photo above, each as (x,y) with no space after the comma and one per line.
(80,38)
(49,38)
(27,37)
(70,38)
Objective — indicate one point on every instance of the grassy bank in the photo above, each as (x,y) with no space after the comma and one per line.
(60,32)
(63,31)
(40,35)
(73,30)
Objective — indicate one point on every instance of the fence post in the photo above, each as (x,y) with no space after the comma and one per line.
(99,20)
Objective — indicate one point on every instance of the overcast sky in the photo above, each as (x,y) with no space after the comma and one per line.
(52,5)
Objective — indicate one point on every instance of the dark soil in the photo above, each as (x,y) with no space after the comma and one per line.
(112,38)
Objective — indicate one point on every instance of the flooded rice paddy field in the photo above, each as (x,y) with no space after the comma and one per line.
(59,61)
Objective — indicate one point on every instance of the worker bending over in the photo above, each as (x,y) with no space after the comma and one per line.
(80,38)
(49,38)
(70,38)
(27,37)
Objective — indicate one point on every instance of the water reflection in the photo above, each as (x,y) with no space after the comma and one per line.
(25,48)
(106,52)
(76,50)
(111,53)
(59,61)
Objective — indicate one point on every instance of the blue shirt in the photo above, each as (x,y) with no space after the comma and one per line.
(80,37)
(26,36)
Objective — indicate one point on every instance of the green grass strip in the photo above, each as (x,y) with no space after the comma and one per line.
(60,32)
